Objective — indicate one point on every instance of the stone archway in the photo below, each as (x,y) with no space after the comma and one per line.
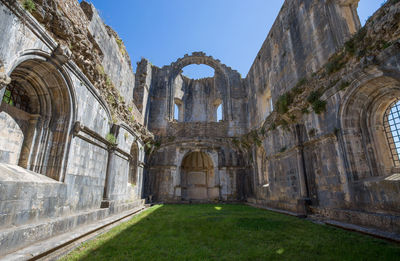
(197,178)
(40,101)
(221,80)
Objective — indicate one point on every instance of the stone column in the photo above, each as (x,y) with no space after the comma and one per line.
(27,143)
(303,201)
(110,165)
(302,174)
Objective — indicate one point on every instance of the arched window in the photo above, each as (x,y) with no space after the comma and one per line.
(38,101)
(17,96)
(391,123)
(176,112)
(219,113)
(271,105)
(198,71)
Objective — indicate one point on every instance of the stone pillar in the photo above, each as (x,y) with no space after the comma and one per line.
(106,203)
(110,165)
(302,174)
(140,178)
(28,141)
(303,201)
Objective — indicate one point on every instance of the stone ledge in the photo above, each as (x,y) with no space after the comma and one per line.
(380,221)
(364,230)
(58,243)
(285,212)
(13,239)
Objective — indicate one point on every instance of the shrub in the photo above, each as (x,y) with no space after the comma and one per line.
(319,106)
(344,85)
(301,82)
(305,111)
(283,103)
(111,138)
(314,96)
(335,64)
(29,5)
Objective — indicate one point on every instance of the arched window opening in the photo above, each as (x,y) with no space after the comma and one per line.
(16,96)
(38,103)
(219,113)
(271,106)
(367,8)
(200,71)
(176,112)
(391,123)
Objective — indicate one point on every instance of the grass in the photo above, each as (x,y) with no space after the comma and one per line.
(229,232)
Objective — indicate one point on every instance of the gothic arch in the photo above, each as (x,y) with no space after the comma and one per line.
(198,177)
(361,121)
(52,111)
(221,74)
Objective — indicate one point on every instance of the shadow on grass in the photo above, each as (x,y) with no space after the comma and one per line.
(229,232)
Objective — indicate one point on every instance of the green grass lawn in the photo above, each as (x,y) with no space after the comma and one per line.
(229,232)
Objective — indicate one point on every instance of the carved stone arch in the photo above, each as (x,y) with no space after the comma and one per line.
(221,73)
(361,117)
(53,107)
(197,177)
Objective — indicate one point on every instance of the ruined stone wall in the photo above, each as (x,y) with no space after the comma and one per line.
(304,35)
(226,85)
(115,59)
(77,155)
(326,152)
(165,169)
(196,130)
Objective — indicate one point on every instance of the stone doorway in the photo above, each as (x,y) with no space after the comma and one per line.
(197,178)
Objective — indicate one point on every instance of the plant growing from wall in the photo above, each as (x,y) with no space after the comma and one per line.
(335,64)
(344,85)
(111,138)
(283,103)
(318,105)
(29,5)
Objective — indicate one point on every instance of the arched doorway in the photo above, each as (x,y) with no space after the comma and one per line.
(198,178)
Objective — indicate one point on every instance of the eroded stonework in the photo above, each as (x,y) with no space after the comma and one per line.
(84,138)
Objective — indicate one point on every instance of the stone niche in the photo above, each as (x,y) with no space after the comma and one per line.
(198,178)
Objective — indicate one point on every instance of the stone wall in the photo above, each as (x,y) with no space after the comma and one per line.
(76,162)
(334,162)
(303,37)
(11,139)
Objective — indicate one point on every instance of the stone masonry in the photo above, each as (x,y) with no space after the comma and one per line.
(83,137)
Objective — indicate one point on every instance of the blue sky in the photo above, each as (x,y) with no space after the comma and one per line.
(230,30)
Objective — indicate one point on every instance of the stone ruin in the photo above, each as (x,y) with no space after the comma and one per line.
(311,130)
